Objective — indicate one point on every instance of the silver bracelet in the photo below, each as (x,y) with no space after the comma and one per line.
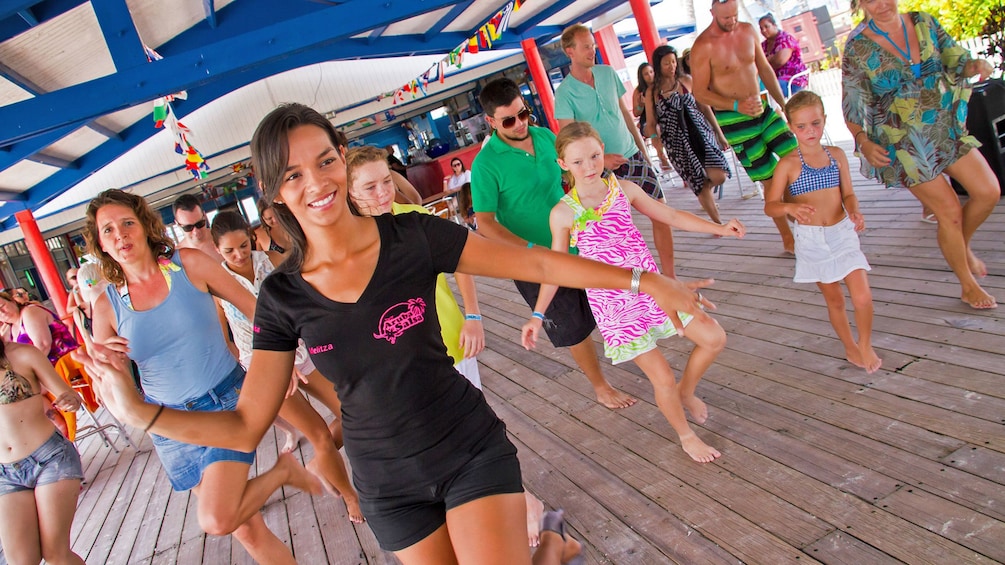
(636,280)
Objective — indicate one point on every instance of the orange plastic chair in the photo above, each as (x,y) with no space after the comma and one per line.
(73,374)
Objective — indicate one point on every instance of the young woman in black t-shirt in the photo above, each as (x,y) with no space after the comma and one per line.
(438,479)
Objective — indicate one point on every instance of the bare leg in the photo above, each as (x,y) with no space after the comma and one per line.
(535,509)
(322,389)
(656,368)
(706,197)
(834,297)
(263,545)
(973,172)
(709,339)
(327,463)
(19,530)
(434,548)
(57,502)
(293,435)
(489,530)
(861,300)
(788,241)
(938,195)
(227,498)
(585,355)
(36,524)
(663,240)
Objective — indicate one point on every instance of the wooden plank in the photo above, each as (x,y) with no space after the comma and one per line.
(973,530)
(841,548)
(151,518)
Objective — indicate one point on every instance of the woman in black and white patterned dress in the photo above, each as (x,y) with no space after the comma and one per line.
(690,134)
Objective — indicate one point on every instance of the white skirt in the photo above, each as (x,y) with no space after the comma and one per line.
(827,254)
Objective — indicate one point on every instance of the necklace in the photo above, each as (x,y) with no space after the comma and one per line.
(672,88)
(915,67)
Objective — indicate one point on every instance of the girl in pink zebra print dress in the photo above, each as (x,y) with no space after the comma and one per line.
(596,217)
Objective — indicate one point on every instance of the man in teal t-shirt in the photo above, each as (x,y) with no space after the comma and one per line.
(592,93)
(515,182)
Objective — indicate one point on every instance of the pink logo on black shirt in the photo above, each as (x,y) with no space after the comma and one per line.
(399,318)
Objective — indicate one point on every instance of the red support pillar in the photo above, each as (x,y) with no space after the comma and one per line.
(610,50)
(43,260)
(541,81)
(647,26)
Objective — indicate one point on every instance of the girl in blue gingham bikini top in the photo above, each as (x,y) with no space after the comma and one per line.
(811,179)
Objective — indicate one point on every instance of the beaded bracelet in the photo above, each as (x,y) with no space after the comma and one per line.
(475,317)
(530,244)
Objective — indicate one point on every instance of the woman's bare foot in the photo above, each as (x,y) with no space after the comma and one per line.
(699,450)
(613,398)
(696,407)
(854,356)
(535,509)
(572,552)
(351,500)
(297,475)
(870,361)
(977,267)
(979,299)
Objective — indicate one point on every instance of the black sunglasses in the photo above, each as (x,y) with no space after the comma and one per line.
(189,227)
(510,121)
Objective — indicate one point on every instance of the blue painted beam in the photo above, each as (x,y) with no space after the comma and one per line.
(11,196)
(143,130)
(9,8)
(210,9)
(98,128)
(31,146)
(120,33)
(44,159)
(545,14)
(447,18)
(29,17)
(12,24)
(375,34)
(200,66)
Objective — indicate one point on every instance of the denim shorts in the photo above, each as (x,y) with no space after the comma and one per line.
(185,463)
(55,460)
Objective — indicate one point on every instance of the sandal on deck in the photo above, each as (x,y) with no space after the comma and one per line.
(930,218)
(554,521)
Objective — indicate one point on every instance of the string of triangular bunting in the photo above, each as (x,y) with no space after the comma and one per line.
(490,31)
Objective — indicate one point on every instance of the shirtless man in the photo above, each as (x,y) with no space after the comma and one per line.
(726,61)
(188,215)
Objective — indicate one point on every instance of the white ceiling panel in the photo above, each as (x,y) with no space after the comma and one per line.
(76,145)
(24,174)
(66,50)
(11,93)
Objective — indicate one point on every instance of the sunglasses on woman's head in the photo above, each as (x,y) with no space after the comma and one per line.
(189,227)
(510,121)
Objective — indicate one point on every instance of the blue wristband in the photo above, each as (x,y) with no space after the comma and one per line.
(476,317)
(736,105)
(530,244)
(538,315)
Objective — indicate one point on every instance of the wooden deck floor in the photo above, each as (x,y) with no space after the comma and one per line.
(821,462)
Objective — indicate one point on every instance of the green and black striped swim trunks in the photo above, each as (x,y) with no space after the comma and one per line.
(757,141)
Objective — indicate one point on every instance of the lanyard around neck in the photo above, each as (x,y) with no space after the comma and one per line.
(915,67)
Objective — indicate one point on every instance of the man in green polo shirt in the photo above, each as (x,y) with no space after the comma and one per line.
(593,93)
(515,182)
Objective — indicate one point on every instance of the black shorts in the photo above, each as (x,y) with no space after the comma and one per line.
(568,320)
(401,521)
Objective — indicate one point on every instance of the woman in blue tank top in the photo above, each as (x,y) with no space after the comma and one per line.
(158,309)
